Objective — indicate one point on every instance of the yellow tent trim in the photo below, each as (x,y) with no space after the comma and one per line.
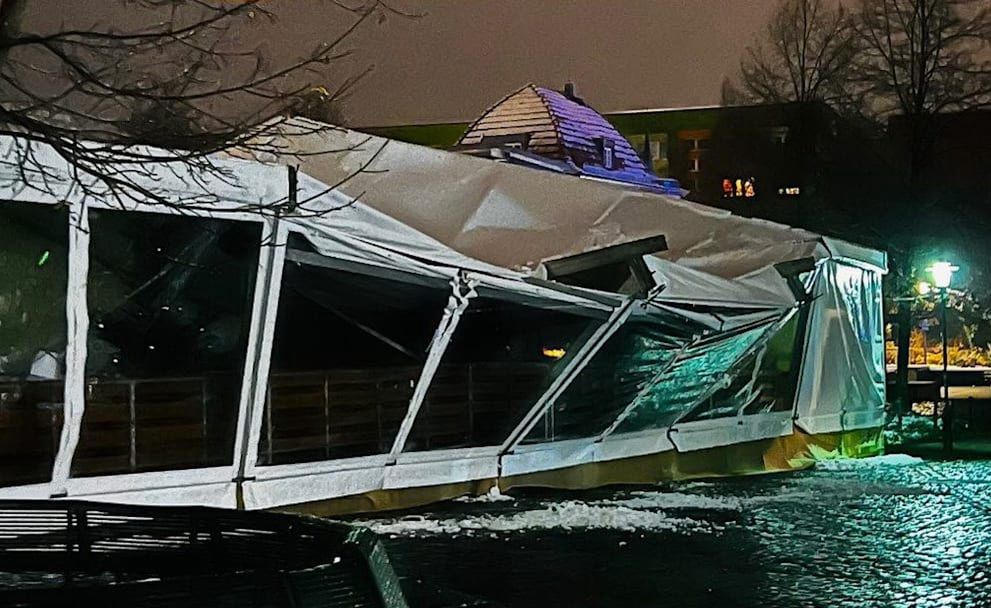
(792,452)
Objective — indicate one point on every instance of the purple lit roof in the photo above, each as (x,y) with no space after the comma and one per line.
(565,129)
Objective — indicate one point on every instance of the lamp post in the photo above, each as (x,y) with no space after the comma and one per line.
(942,274)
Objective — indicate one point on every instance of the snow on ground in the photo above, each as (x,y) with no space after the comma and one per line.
(888,460)
(565,515)
(677,500)
(493,495)
(646,510)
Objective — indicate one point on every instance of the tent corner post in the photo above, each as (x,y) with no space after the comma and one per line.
(261,335)
(77,317)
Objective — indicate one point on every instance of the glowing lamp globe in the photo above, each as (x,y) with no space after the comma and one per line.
(942,274)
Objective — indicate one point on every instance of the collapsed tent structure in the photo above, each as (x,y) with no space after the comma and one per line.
(423,324)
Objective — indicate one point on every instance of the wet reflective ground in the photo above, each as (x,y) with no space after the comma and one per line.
(891,531)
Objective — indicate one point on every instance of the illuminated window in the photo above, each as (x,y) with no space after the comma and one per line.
(790,191)
(739,187)
(696,143)
(727,188)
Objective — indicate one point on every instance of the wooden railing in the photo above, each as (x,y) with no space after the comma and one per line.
(30,428)
(157,424)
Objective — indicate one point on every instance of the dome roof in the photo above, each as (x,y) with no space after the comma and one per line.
(562,128)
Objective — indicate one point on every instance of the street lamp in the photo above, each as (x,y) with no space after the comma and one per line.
(942,275)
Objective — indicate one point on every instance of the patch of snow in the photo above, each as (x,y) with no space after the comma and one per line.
(567,515)
(493,495)
(888,460)
(677,500)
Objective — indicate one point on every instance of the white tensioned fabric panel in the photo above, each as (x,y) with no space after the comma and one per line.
(344,250)
(842,381)
(514,217)
(765,289)
(49,178)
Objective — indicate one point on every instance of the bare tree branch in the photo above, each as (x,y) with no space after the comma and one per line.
(920,58)
(802,56)
(117,105)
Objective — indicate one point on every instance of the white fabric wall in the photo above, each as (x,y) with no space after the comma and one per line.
(842,383)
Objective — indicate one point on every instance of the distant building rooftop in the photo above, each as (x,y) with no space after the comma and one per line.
(535,125)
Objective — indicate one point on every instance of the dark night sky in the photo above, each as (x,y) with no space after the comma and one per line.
(461,56)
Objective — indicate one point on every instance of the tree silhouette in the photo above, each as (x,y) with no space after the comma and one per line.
(803,56)
(180,86)
(920,58)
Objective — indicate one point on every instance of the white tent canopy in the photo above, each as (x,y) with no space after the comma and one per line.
(684,357)
(477,206)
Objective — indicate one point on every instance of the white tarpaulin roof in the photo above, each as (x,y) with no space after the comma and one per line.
(337,224)
(234,187)
(515,217)
(764,288)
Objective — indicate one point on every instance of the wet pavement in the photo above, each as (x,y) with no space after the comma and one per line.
(887,531)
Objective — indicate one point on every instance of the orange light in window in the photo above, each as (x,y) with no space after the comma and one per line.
(552,353)
(749,190)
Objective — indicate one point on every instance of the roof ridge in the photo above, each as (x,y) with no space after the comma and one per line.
(554,121)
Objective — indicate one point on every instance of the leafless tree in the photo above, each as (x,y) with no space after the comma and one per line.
(802,56)
(113,102)
(920,58)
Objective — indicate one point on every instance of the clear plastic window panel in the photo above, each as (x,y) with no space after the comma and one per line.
(170,302)
(501,359)
(611,380)
(699,370)
(33,278)
(762,381)
(347,353)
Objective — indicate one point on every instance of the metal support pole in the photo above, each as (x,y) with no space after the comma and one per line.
(255,389)
(903,339)
(132,427)
(462,291)
(947,405)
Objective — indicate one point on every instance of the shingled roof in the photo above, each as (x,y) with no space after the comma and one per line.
(561,128)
